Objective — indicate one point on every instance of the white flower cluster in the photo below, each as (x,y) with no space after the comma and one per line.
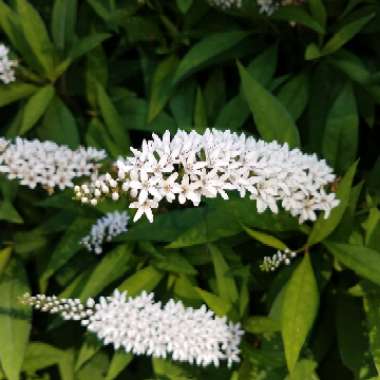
(271,263)
(267,6)
(7,66)
(190,166)
(105,229)
(226,4)
(144,327)
(270,6)
(33,163)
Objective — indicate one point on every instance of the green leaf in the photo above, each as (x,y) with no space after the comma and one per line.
(233,115)
(345,34)
(318,11)
(264,65)
(182,104)
(226,284)
(217,304)
(174,262)
(88,350)
(5,255)
(63,23)
(363,261)
(162,87)
(113,265)
(271,118)
(119,362)
(115,126)
(351,65)
(298,15)
(353,346)
(40,355)
(68,246)
(340,139)
(214,94)
(15,91)
(200,114)
(66,365)
(36,35)
(14,319)
(371,302)
(261,325)
(207,49)
(294,94)
(144,279)
(184,5)
(266,239)
(300,307)
(304,370)
(169,370)
(79,49)
(9,213)
(36,107)
(324,227)
(59,125)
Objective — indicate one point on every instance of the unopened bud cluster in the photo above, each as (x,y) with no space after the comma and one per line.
(67,308)
(105,229)
(267,7)
(226,4)
(143,327)
(45,163)
(7,66)
(191,166)
(271,263)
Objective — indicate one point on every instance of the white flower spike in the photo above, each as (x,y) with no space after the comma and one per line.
(7,66)
(144,327)
(47,164)
(191,166)
(105,229)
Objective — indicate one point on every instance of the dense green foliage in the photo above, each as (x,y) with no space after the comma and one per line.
(107,73)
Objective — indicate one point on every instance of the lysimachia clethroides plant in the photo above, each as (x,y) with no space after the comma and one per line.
(183,169)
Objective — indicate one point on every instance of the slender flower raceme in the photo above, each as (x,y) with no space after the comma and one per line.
(190,166)
(144,327)
(271,263)
(270,6)
(226,4)
(7,66)
(105,229)
(33,163)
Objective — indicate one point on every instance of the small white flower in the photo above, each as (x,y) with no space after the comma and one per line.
(144,208)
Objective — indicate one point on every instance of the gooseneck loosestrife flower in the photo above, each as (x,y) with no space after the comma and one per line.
(47,164)
(190,166)
(267,7)
(143,327)
(271,263)
(105,229)
(7,66)
(226,4)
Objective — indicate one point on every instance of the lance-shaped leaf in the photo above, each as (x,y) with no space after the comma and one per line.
(207,50)
(299,309)
(324,227)
(14,319)
(272,120)
(364,261)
